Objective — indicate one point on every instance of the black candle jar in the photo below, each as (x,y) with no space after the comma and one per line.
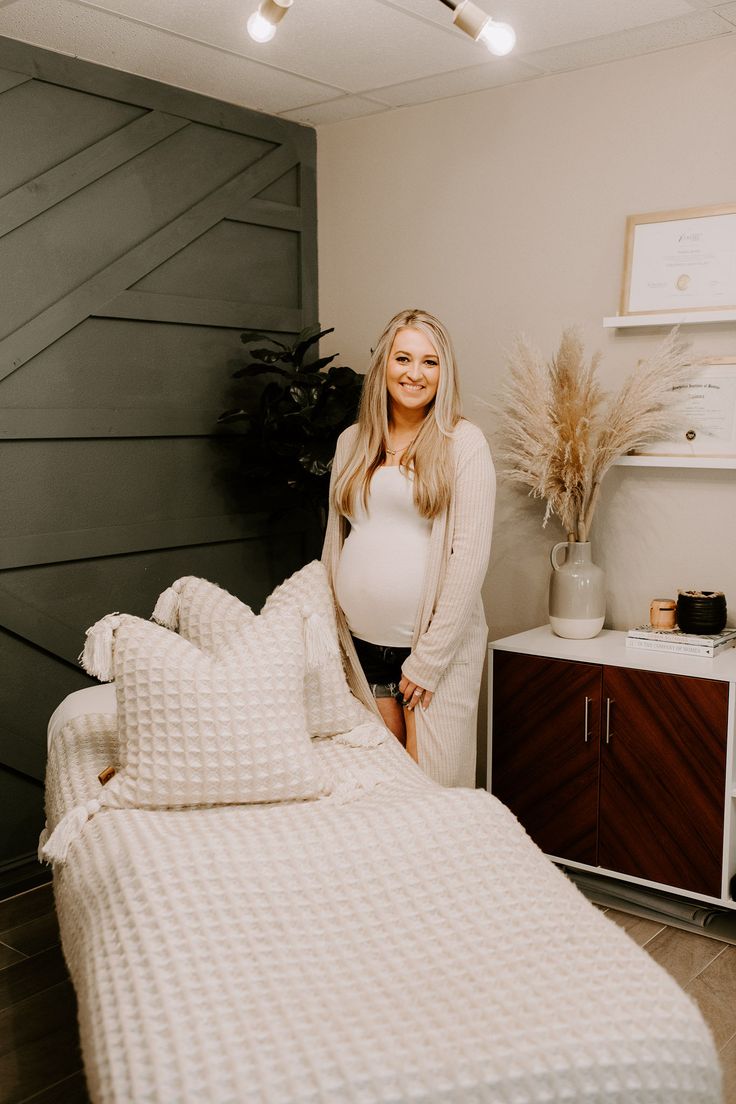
(701,611)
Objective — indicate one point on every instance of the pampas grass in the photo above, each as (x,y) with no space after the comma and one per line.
(560,433)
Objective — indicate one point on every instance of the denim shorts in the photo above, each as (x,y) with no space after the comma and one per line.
(381,667)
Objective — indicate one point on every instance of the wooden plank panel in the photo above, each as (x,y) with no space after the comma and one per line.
(22,818)
(56,320)
(29,200)
(118,540)
(307,280)
(39,626)
(285,189)
(266,213)
(58,486)
(11,80)
(233,261)
(23,424)
(78,593)
(42,679)
(101,81)
(70,243)
(152,306)
(132,367)
(43,125)
(102,522)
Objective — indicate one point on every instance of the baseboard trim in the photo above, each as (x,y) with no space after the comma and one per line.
(22,873)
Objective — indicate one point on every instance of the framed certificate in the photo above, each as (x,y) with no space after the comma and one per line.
(707,413)
(680,261)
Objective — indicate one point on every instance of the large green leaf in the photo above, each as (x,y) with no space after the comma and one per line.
(236,415)
(269,356)
(315,366)
(302,344)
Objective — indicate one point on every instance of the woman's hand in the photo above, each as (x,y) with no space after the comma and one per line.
(414,695)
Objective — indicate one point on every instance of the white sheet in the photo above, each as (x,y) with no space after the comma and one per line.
(93,699)
(394,942)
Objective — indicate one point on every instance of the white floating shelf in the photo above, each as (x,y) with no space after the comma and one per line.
(676,462)
(676,318)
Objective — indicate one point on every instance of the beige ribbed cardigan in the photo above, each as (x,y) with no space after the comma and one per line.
(451,634)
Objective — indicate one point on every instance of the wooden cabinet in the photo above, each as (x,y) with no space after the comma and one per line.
(614,767)
(544,767)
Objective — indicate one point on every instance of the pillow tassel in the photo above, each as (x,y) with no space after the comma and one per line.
(42,839)
(166,611)
(368,735)
(57,845)
(98,647)
(319,642)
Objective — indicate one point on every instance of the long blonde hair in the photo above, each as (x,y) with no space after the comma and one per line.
(428,456)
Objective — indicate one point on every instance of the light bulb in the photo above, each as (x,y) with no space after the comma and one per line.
(499,38)
(260,29)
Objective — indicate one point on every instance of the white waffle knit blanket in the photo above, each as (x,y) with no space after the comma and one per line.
(392,942)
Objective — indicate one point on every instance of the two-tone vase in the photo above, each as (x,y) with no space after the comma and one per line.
(577,592)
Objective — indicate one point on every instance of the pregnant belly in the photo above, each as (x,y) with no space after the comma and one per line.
(379,590)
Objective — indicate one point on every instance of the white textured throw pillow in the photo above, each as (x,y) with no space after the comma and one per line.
(199,729)
(212,618)
(331,706)
(202,612)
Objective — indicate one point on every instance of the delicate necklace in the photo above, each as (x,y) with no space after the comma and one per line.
(394,452)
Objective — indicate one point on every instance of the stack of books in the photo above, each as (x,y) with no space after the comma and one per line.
(673,640)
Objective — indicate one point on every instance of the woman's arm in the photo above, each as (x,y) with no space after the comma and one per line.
(474,497)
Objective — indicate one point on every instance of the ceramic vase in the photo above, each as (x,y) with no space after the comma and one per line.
(577,592)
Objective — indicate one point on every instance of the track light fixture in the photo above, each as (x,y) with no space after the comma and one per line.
(499,38)
(263,22)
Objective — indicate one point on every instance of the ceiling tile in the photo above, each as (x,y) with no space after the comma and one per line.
(695,27)
(728,11)
(334,111)
(540,24)
(351,46)
(83,32)
(461,81)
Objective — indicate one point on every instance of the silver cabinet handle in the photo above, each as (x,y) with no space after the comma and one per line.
(587,713)
(609,733)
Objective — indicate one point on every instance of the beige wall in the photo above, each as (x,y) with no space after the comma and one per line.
(504,211)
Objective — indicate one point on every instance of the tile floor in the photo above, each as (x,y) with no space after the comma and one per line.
(705,968)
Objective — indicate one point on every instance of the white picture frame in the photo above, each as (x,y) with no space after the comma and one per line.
(680,261)
(709,409)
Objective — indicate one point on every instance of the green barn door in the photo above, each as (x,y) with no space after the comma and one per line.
(142,228)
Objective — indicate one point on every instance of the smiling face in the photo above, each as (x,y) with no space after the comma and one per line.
(412,373)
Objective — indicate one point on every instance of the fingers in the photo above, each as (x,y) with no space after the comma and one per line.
(413,695)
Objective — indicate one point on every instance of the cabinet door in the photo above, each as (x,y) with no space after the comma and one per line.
(543,767)
(663,773)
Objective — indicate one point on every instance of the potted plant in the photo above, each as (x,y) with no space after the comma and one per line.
(293,407)
(560,434)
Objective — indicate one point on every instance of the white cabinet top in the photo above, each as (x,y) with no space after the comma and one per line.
(610,648)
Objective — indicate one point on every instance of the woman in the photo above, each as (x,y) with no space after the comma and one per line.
(407,545)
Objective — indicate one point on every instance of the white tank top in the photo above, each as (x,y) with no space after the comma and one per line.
(380,576)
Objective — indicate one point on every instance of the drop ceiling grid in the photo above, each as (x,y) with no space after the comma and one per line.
(337,59)
(458,83)
(728,11)
(540,24)
(695,27)
(322,40)
(68,28)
